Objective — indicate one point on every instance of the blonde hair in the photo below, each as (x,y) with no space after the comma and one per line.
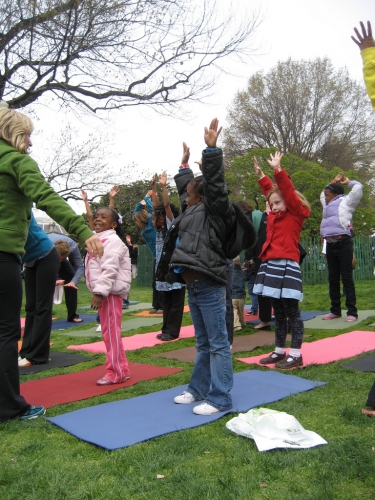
(14,127)
(276,190)
(62,248)
(141,217)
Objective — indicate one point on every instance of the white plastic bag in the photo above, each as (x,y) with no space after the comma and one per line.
(272,429)
(58,295)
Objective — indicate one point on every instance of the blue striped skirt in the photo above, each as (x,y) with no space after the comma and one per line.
(279,279)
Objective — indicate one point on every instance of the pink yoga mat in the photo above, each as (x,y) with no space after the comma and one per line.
(135,342)
(331,349)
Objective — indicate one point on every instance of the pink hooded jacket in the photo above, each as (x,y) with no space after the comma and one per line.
(112,273)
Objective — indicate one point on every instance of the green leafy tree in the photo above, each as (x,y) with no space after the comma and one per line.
(306,108)
(308,177)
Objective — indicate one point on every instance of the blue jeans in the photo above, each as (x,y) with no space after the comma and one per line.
(212,377)
(253,296)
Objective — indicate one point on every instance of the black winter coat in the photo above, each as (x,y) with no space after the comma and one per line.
(202,229)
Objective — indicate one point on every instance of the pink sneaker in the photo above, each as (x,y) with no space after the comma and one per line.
(351,318)
(331,316)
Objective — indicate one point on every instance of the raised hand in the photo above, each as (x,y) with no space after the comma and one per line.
(339,177)
(211,134)
(257,168)
(185,154)
(84,195)
(114,191)
(199,163)
(365,40)
(163,179)
(148,194)
(275,160)
(153,182)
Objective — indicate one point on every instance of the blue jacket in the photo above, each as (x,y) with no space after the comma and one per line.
(149,233)
(239,278)
(38,244)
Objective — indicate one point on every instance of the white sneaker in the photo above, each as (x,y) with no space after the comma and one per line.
(185,398)
(99,328)
(205,409)
(24,362)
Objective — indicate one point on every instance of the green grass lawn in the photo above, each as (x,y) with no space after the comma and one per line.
(41,462)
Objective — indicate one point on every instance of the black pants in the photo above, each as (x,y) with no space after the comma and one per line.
(265,309)
(66,273)
(39,287)
(287,310)
(157,297)
(371,397)
(12,403)
(229,319)
(339,261)
(173,310)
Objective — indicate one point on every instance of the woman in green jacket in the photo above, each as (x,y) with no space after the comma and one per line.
(21,184)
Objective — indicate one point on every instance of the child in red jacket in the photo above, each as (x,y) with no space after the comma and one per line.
(279,275)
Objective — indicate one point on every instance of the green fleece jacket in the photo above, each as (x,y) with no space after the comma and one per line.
(368,57)
(21,184)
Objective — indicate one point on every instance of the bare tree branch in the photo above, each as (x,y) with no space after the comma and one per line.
(72,164)
(107,54)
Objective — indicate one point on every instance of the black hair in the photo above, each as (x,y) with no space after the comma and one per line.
(116,218)
(197,184)
(335,188)
(160,212)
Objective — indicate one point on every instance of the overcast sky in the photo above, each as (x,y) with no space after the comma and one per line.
(300,29)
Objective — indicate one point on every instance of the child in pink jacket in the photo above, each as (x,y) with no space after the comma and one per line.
(108,279)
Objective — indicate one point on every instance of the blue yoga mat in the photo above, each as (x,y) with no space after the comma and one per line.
(63,324)
(130,421)
(306,315)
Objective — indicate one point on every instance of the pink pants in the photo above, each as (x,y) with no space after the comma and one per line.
(110,318)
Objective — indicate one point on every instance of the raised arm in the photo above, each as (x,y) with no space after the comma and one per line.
(155,198)
(265,182)
(166,202)
(216,199)
(112,194)
(366,44)
(90,217)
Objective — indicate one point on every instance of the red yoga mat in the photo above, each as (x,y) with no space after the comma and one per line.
(330,349)
(134,342)
(63,389)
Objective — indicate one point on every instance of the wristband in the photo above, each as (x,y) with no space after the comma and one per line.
(154,193)
(184,165)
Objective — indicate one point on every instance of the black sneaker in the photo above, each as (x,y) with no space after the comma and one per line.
(33,412)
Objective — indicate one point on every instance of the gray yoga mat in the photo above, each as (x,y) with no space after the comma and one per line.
(130,324)
(339,323)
